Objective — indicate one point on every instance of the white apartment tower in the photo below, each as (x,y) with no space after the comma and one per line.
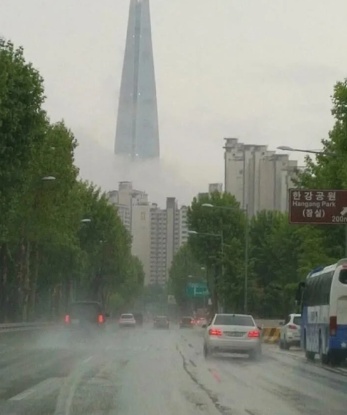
(257,177)
(157,274)
(156,233)
(134,211)
(215,187)
(169,231)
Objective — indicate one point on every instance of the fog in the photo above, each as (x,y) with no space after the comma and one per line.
(158,178)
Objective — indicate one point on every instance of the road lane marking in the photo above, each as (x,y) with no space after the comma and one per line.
(48,384)
(69,388)
(22,395)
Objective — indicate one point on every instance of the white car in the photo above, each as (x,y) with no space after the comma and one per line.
(127,320)
(290,332)
(233,333)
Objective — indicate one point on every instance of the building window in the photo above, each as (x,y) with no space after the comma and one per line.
(143,215)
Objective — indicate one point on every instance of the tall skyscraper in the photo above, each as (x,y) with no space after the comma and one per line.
(137,134)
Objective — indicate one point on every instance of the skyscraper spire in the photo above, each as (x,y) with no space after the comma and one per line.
(137,133)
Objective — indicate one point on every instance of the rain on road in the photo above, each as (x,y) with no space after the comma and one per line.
(144,371)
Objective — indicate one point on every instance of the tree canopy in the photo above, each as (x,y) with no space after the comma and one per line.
(280,254)
(60,238)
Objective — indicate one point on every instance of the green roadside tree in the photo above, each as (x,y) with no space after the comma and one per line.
(329,169)
(22,126)
(281,255)
(184,268)
(219,244)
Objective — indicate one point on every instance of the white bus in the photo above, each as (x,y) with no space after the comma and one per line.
(323,299)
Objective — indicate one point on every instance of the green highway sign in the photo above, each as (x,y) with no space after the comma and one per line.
(199,289)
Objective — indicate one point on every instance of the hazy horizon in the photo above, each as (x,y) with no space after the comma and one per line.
(261,71)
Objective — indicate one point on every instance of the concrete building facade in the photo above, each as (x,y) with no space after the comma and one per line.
(157,233)
(257,177)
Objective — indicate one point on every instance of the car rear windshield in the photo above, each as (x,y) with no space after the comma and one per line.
(232,320)
(297,321)
(343,276)
(186,319)
(127,316)
(161,318)
(85,310)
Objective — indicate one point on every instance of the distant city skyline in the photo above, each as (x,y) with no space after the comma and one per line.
(137,133)
(274,90)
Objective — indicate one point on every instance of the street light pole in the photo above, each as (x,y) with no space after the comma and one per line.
(219,235)
(245,210)
(220,310)
(245,304)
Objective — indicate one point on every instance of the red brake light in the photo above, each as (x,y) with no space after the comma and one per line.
(254,333)
(292,326)
(101,319)
(67,319)
(215,332)
(333,325)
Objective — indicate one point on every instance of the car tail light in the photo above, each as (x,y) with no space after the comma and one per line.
(101,319)
(292,326)
(215,332)
(254,334)
(333,325)
(67,319)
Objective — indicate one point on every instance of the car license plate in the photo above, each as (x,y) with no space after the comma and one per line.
(234,333)
(75,321)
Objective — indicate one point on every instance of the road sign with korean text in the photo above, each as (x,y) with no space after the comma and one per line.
(326,207)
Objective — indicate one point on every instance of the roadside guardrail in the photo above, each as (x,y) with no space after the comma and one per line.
(13,327)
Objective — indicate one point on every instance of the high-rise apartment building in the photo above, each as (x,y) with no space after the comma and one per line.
(257,177)
(183,225)
(137,134)
(157,233)
(169,231)
(134,211)
(141,234)
(124,199)
(215,187)
(212,187)
(158,251)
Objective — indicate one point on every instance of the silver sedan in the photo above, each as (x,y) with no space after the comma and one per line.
(233,333)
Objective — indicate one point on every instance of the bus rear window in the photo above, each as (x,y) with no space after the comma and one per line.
(343,276)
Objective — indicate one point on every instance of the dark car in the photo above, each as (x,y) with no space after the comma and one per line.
(139,318)
(161,322)
(187,322)
(85,318)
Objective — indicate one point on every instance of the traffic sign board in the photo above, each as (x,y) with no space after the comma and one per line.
(326,207)
(197,290)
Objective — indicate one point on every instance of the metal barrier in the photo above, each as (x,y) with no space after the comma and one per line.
(12,327)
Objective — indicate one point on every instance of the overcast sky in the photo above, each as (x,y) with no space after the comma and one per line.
(260,70)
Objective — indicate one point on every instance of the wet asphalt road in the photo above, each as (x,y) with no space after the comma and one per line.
(151,372)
